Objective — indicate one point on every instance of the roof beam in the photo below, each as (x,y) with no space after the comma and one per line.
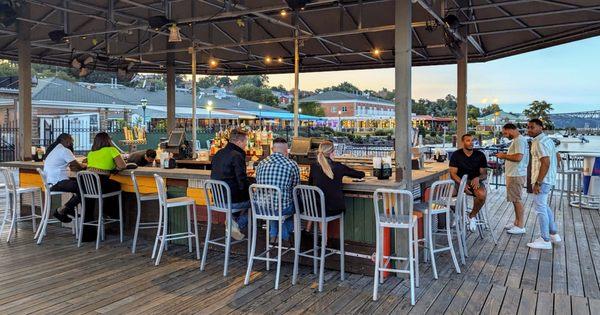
(519,16)
(512,30)
(143,6)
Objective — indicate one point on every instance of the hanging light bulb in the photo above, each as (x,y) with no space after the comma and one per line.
(376,52)
(280,60)
(213,63)
(283,13)
(268,60)
(174,35)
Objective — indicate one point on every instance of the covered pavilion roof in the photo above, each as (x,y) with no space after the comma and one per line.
(249,37)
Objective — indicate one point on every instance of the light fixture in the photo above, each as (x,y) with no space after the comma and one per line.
(376,52)
(259,106)
(268,60)
(280,60)
(300,110)
(210,102)
(57,35)
(283,13)
(174,35)
(213,63)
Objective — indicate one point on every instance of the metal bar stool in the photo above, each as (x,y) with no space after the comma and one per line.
(162,234)
(439,203)
(459,222)
(46,209)
(218,198)
(90,188)
(309,202)
(266,205)
(483,222)
(13,199)
(393,214)
(139,199)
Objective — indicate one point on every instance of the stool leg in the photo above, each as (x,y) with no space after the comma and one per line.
(449,236)
(411,267)
(416,252)
(158,230)
(431,249)
(41,232)
(227,242)
(42,220)
(81,222)
(137,225)
(189,228)
(279,233)
(33,223)
(14,218)
(195,223)
(268,247)
(120,217)
(458,233)
(297,236)
(342,252)
(163,238)
(248,238)
(207,239)
(252,251)
(6,211)
(376,273)
(100,229)
(314,252)
(323,251)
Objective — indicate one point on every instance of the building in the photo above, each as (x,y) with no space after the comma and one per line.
(428,122)
(354,111)
(495,121)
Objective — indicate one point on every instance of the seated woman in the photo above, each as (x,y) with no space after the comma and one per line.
(58,159)
(103,159)
(327,175)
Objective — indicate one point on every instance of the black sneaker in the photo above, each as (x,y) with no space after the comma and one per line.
(61,217)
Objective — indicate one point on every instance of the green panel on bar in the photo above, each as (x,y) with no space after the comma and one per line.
(359,220)
(177,215)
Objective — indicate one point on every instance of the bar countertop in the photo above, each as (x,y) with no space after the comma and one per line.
(430,172)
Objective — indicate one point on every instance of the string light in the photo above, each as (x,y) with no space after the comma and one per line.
(283,13)
(376,52)
(280,60)
(268,59)
(213,63)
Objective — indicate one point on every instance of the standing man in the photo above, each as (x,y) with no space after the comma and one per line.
(142,158)
(516,161)
(543,175)
(229,165)
(279,170)
(474,164)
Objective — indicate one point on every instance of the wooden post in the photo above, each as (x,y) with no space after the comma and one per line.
(461,107)
(194,99)
(24,106)
(296,82)
(170,92)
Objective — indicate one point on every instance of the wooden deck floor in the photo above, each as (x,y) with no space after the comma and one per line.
(508,278)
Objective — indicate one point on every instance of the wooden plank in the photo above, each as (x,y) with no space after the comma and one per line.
(562,304)
(545,303)
(477,300)
(528,302)
(591,221)
(594,306)
(590,283)
(510,304)
(559,261)
(494,300)
(580,305)
(461,298)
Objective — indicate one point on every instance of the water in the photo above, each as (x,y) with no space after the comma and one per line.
(592,147)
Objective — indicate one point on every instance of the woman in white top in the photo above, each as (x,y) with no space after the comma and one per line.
(59,158)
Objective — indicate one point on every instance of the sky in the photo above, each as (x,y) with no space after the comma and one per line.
(567,76)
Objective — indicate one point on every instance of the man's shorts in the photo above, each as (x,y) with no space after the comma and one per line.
(514,188)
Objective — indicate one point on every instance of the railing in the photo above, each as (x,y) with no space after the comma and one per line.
(9,133)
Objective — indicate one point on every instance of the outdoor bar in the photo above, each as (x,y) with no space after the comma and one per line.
(247,37)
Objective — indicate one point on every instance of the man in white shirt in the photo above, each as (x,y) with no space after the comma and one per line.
(59,158)
(516,160)
(543,175)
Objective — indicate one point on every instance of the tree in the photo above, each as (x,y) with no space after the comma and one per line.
(224,82)
(256,94)
(207,81)
(342,87)
(8,69)
(255,80)
(490,109)
(540,110)
(309,108)
(473,112)
(279,88)
(421,107)
(386,94)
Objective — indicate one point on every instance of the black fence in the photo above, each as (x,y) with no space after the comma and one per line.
(9,134)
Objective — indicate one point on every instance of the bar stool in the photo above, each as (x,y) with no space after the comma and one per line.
(13,202)
(139,199)
(46,209)
(460,218)
(218,198)
(394,215)
(440,199)
(483,222)
(311,207)
(162,234)
(91,188)
(266,205)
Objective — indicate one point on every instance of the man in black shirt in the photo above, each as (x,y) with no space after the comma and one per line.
(142,158)
(473,163)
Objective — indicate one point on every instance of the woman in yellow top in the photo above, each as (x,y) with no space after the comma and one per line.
(103,159)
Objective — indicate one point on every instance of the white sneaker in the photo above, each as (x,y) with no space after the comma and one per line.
(516,230)
(235,231)
(473,224)
(509,226)
(539,243)
(555,238)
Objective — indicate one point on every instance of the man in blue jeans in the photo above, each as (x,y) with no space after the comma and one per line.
(543,175)
(279,170)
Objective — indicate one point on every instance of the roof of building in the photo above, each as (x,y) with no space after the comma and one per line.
(502,117)
(59,90)
(332,96)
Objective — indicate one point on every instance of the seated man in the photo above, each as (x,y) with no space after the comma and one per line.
(474,164)
(58,157)
(278,170)
(229,165)
(142,158)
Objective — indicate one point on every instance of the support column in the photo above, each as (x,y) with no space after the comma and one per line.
(24,105)
(461,106)
(296,82)
(192,51)
(403,100)
(171,123)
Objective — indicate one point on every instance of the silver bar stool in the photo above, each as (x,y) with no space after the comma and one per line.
(218,198)
(309,202)
(439,204)
(393,214)
(139,199)
(266,205)
(162,234)
(459,222)
(14,193)
(483,222)
(46,209)
(90,188)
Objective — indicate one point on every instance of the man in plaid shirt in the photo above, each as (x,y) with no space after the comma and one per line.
(278,170)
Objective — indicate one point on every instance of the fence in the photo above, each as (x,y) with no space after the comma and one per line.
(9,133)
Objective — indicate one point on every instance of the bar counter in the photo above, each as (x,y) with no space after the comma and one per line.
(359,225)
